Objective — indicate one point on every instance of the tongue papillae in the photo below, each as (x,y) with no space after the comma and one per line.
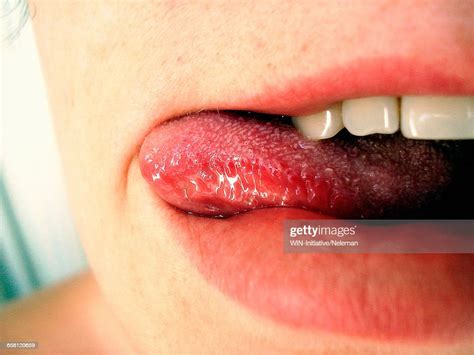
(220,164)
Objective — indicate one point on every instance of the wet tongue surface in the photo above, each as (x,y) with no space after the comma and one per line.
(220,164)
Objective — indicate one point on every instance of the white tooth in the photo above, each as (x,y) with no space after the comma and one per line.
(325,124)
(378,114)
(437,117)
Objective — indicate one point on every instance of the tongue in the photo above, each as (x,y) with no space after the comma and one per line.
(220,164)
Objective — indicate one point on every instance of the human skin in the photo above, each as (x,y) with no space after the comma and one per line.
(115,69)
(68,318)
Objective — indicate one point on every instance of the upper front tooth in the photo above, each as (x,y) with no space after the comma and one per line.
(325,124)
(437,117)
(378,114)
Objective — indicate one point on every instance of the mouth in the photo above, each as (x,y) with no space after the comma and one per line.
(235,175)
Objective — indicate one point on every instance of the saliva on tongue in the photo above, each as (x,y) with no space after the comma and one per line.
(221,164)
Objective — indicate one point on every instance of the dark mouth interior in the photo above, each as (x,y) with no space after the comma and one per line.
(400,178)
(452,201)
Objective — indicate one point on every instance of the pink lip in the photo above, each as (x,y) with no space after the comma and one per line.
(360,78)
(423,298)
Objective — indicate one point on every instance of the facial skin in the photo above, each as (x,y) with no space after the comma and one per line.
(115,69)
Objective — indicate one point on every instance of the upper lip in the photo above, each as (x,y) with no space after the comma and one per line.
(309,93)
(361,78)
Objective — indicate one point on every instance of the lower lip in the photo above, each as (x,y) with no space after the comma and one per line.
(374,296)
